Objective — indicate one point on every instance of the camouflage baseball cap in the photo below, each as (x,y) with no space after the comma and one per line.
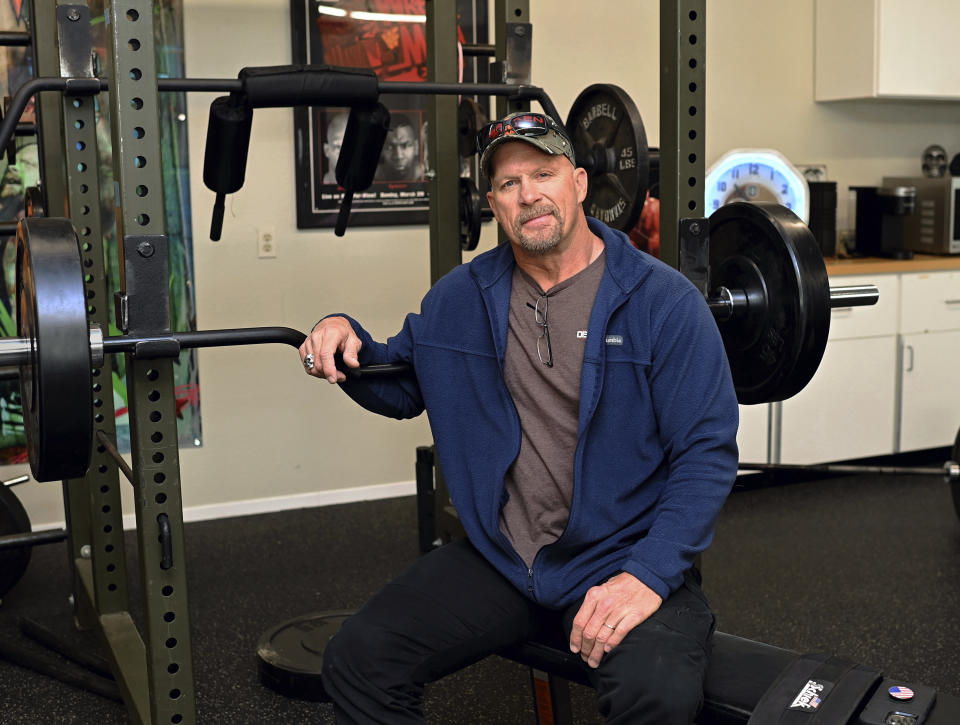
(537,129)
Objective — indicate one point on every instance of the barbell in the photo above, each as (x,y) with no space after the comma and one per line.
(59,353)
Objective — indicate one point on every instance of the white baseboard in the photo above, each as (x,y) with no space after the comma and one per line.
(293,501)
(278,503)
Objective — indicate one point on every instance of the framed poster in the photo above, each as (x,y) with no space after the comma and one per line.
(389,37)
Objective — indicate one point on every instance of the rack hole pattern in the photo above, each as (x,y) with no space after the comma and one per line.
(158,464)
(692,78)
(80,147)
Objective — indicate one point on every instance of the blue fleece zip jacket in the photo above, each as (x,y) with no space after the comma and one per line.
(656,452)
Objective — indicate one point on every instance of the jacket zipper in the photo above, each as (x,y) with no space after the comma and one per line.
(582,438)
(516,416)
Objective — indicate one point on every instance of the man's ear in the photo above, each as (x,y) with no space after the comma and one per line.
(582,182)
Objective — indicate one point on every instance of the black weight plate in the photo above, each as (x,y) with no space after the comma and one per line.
(610,142)
(33,202)
(470,214)
(56,384)
(767,251)
(470,119)
(291,654)
(13,520)
(955,485)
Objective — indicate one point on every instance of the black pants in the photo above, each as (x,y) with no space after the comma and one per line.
(451,609)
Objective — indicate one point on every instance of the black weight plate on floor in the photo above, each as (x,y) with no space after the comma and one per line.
(13,520)
(55,385)
(291,654)
(610,142)
(766,249)
(955,485)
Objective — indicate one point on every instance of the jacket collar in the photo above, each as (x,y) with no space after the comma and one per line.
(626,269)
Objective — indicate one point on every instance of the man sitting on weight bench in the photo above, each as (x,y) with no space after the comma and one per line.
(585,421)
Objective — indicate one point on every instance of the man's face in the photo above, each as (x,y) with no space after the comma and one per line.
(401,148)
(334,139)
(535,196)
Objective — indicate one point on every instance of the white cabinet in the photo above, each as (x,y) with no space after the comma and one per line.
(887,383)
(886,49)
(930,396)
(930,301)
(848,410)
(929,345)
(754,433)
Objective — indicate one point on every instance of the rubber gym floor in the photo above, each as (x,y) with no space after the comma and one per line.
(868,568)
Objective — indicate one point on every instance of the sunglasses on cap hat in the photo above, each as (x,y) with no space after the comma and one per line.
(524,124)
(535,128)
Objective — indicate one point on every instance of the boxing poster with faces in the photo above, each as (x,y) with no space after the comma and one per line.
(388,37)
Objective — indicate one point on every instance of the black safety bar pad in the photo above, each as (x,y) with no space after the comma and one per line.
(816,688)
(283,86)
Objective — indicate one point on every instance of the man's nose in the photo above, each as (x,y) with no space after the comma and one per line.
(529,193)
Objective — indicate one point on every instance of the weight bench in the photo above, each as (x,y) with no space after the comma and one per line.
(740,672)
(755,683)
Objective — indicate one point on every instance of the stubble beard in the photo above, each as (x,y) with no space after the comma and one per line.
(538,244)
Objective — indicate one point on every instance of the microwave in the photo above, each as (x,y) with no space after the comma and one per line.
(934,226)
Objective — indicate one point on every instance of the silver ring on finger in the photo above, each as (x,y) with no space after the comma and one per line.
(308,361)
(609,625)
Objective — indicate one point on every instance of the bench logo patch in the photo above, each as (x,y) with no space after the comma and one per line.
(811,695)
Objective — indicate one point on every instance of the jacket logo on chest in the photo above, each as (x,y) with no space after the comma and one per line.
(614,339)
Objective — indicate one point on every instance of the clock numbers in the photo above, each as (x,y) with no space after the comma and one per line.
(756,175)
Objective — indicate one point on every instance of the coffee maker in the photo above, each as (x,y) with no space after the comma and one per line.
(882,212)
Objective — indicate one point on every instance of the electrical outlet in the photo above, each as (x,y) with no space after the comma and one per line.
(266,243)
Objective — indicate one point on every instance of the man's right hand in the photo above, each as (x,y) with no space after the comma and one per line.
(328,337)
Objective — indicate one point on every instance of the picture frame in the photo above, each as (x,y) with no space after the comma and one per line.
(388,37)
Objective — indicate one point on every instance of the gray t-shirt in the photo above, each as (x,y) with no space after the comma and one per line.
(540,481)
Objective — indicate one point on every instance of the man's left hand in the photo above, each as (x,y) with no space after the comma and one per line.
(608,613)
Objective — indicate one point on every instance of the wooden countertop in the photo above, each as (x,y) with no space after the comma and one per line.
(879,265)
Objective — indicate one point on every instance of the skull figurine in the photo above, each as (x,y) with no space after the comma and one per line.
(934,162)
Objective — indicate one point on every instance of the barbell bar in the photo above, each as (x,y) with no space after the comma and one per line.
(950,470)
(20,351)
(727,303)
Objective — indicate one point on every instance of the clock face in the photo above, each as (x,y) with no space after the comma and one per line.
(757,175)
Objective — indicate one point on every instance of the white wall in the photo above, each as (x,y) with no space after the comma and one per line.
(268,430)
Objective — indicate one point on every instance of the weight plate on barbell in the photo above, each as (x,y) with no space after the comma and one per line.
(610,142)
(33,202)
(471,206)
(56,384)
(13,520)
(470,119)
(775,345)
